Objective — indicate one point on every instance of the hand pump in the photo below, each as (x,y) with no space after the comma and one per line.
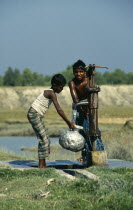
(92,97)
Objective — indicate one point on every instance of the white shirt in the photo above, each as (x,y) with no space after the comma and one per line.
(41,104)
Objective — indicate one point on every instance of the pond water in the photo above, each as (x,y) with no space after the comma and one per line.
(15,143)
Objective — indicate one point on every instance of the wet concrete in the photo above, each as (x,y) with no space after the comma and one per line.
(62,164)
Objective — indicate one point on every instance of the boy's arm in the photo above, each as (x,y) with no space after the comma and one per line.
(73,91)
(74,94)
(60,111)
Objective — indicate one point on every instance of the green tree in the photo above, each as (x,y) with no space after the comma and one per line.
(47,80)
(38,79)
(119,77)
(130,78)
(68,73)
(107,77)
(1,81)
(8,79)
(100,79)
(116,77)
(34,78)
(27,78)
(17,78)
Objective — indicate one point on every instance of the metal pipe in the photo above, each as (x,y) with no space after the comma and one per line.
(97,66)
(75,105)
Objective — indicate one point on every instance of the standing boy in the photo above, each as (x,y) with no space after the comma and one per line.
(37,112)
(78,92)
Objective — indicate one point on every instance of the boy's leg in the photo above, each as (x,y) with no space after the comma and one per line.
(79,121)
(44,142)
(42,163)
(99,144)
(43,148)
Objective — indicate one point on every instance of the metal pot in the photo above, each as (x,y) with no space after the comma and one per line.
(72,140)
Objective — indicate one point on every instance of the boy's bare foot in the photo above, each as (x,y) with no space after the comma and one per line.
(80,159)
(42,163)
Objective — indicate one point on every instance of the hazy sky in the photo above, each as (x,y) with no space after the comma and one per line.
(48,35)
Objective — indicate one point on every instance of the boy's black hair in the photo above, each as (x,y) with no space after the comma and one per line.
(79,65)
(58,79)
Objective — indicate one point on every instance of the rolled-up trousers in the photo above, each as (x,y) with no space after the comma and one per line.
(37,123)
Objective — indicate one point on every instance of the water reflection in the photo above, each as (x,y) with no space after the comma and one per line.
(15,143)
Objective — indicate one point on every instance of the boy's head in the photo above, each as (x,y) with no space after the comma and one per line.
(79,65)
(58,81)
(79,70)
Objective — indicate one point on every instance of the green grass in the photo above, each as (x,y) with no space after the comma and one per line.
(116,111)
(13,115)
(15,129)
(8,155)
(15,123)
(30,189)
(23,189)
(57,153)
(118,141)
(52,116)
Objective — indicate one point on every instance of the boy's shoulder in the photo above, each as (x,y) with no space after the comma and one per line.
(72,80)
(71,83)
(48,93)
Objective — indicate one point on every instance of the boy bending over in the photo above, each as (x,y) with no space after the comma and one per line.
(37,112)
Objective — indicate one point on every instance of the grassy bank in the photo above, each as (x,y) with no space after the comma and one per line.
(105,113)
(57,153)
(15,123)
(45,189)
(117,140)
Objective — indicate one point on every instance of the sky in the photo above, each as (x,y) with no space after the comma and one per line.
(47,36)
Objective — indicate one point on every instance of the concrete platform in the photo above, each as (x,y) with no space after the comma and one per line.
(62,164)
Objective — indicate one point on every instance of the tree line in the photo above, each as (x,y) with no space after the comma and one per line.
(13,77)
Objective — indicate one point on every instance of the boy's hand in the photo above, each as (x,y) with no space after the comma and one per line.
(72,125)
